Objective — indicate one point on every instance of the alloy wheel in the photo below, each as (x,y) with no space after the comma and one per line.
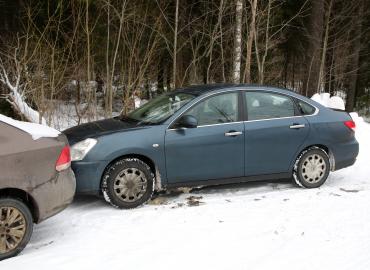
(12,229)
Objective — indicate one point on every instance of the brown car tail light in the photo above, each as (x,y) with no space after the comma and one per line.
(64,160)
(350,124)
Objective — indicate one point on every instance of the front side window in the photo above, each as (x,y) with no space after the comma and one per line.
(216,110)
(264,105)
(160,108)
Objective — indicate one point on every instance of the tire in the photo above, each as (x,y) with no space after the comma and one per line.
(23,221)
(128,183)
(311,168)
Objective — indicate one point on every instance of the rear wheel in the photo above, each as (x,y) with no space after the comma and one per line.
(16,225)
(311,168)
(128,183)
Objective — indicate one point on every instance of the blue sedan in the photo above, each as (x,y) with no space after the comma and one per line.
(209,135)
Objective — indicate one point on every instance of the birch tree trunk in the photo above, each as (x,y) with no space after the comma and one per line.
(237,40)
(251,35)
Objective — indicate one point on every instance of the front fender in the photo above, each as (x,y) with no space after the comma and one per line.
(147,142)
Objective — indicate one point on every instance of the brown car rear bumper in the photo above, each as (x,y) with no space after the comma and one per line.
(54,195)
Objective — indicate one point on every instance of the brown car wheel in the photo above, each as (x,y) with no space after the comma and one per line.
(16,225)
(128,183)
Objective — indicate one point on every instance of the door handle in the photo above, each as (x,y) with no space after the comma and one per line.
(233,133)
(297,126)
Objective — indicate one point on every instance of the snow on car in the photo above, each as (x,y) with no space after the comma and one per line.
(37,131)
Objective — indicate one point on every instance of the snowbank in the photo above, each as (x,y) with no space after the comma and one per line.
(334,102)
(37,131)
(356,117)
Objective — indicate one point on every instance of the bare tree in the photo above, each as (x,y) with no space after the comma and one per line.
(175,32)
(251,36)
(354,59)
(314,35)
(238,40)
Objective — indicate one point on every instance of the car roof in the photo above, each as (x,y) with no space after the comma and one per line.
(199,90)
(202,88)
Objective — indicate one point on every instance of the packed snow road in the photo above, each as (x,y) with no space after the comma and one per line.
(249,226)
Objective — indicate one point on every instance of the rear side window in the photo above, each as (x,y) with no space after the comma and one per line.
(305,108)
(264,105)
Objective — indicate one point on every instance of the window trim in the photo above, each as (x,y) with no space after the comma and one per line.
(243,116)
(296,101)
(292,98)
(240,116)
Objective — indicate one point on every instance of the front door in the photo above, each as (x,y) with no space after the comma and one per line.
(212,150)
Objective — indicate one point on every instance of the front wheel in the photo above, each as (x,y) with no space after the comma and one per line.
(16,225)
(128,183)
(311,168)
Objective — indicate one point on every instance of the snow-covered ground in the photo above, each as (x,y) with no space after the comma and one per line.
(249,226)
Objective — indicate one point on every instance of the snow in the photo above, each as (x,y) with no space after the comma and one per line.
(334,102)
(31,115)
(37,131)
(246,226)
(17,99)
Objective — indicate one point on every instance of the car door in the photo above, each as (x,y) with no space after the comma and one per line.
(212,150)
(274,132)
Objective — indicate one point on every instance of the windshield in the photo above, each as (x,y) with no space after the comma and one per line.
(160,108)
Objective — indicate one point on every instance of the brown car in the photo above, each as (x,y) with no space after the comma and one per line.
(36,182)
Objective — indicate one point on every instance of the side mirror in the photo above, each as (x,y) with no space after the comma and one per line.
(187,121)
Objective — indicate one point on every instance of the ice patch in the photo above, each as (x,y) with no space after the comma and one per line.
(37,131)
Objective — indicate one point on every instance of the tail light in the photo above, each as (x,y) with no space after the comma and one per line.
(64,160)
(350,124)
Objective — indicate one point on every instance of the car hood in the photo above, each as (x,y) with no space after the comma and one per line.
(97,128)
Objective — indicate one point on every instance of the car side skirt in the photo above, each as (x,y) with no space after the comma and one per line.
(234,180)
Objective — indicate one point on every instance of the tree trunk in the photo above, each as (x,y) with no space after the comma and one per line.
(314,36)
(321,81)
(108,87)
(174,71)
(251,35)
(354,59)
(88,77)
(160,76)
(237,41)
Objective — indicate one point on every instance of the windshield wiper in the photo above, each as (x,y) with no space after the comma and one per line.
(126,118)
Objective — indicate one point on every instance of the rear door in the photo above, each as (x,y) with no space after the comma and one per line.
(274,132)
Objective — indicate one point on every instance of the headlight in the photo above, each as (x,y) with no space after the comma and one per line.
(80,149)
